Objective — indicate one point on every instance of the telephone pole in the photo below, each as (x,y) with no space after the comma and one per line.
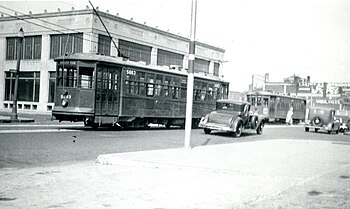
(190,77)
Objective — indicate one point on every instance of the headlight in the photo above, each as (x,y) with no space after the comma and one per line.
(64,103)
(205,119)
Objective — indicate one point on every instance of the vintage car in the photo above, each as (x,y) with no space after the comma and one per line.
(344,121)
(323,119)
(234,117)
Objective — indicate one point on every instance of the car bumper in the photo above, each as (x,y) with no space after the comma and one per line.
(216,126)
(324,127)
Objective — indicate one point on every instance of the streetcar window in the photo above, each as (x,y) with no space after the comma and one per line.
(85,77)
(197,91)
(159,79)
(175,88)
(266,102)
(253,101)
(210,92)
(67,77)
(183,93)
(216,91)
(204,91)
(141,79)
(116,81)
(166,89)
(258,103)
(150,87)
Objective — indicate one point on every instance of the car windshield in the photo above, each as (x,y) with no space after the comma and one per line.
(230,106)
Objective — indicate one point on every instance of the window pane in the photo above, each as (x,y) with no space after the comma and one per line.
(169,58)
(201,65)
(104,45)
(37,47)
(135,52)
(28,43)
(10,51)
(52,83)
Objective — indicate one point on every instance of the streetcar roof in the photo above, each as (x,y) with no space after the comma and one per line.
(122,61)
(230,101)
(267,93)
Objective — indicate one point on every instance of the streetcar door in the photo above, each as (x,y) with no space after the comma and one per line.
(108,91)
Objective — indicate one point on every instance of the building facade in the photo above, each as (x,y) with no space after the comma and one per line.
(48,35)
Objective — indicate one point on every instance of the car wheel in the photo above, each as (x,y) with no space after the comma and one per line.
(307,129)
(207,131)
(238,132)
(316,130)
(254,122)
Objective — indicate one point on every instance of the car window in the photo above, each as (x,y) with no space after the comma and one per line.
(230,106)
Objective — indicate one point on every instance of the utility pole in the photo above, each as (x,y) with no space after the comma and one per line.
(190,77)
(20,35)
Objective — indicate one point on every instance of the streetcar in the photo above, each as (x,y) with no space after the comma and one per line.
(275,106)
(111,91)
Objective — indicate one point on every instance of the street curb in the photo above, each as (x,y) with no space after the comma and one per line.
(19,120)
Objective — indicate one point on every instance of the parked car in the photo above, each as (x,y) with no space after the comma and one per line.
(232,116)
(322,119)
(344,121)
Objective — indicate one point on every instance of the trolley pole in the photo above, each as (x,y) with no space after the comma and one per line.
(14,115)
(190,77)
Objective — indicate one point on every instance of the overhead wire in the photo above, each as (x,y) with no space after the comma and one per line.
(47,22)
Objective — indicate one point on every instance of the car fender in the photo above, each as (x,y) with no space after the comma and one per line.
(261,121)
(235,121)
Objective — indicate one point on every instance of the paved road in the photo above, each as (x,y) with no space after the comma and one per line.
(42,144)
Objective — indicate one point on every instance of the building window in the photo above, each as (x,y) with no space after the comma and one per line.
(66,44)
(216,69)
(52,84)
(28,86)
(31,48)
(135,52)
(169,58)
(104,45)
(201,65)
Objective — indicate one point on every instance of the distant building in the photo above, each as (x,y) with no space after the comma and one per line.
(333,95)
(51,34)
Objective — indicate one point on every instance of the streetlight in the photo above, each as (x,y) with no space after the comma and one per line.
(20,36)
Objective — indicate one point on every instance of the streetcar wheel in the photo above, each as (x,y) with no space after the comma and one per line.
(207,131)
(238,132)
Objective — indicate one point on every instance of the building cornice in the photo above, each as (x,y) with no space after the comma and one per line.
(108,16)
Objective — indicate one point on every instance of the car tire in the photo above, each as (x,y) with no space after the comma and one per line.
(207,131)
(238,131)
(307,129)
(253,122)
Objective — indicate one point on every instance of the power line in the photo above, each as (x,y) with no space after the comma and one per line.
(58,31)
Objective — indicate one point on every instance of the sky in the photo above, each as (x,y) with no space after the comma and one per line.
(279,37)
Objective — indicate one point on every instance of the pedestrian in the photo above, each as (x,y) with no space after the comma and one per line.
(289,117)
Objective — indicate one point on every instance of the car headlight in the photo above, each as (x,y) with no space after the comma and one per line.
(64,103)
(205,119)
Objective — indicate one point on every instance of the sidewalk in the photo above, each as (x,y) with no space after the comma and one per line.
(261,174)
(28,117)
